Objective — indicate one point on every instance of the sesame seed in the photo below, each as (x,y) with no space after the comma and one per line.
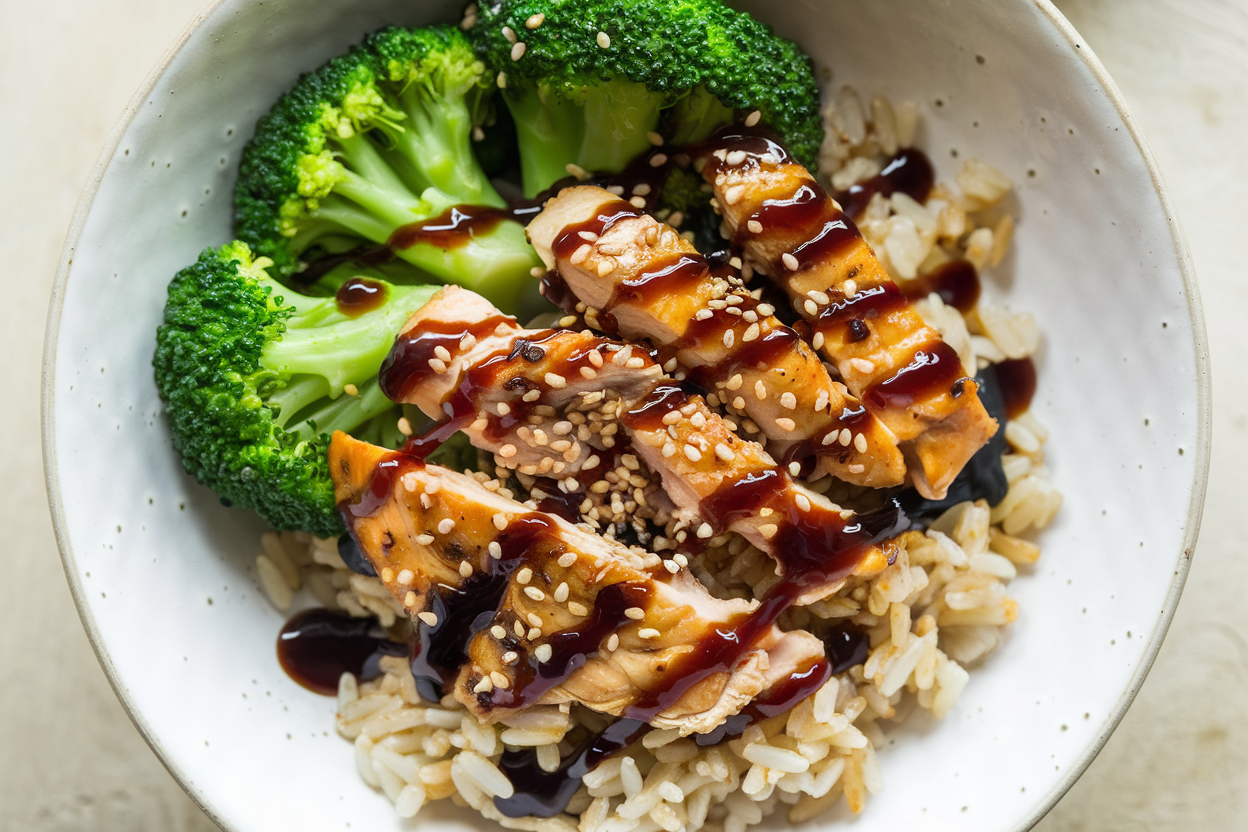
(671,567)
(856,468)
(595,358)
(518,629)
(576,170)
(754,226)
(818,297)
(635,363)
(427,617)
(409,482)
(484,686)
(750,334)
(535,593)
(442,352)
(531,396)
(387,575)
(445,525)
(498,631)
(739,402)
(647,632)
(676,219)
(534,633)
(437,365)
(803,502)
(561,592)
(693,454)
(733,195)
(811,307)
(577,609)
(680,559)
(735,382)
(350,389)
(658,160)
(536,271)
(785,423)
(465,569)
(849,288)
(605,266)
(535,21)
(604,40)
(766,310)
(613,642)
(643,188)
(768,530)
(591,462)
(534,620)
(544,652)
(406,576)
(724,452)
(509,34)
(735,158)
(671,364)
(507,451)
(862,365)
(705,531)
(790,262)
(425,502)
(760,390)
(846,436)
(503,408)
(524,576)
(567,320)
(424,539)
(788,400)
(703,314)
(729,337)
(817,341)
(409,600)
(669,449)
(500,681)
(500,521)
(698,420)
(501,80)
(635,613)
(821,401)
(655,139)
(753,118)
(860,442)
(637,202)
(795,468)
(556,381)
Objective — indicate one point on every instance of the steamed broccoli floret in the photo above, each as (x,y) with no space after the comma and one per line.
(254,379)
(375,140)
(595,77)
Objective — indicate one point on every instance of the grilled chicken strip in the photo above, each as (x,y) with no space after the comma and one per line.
(645,282)
(550,613)
(900,368)
(717,480)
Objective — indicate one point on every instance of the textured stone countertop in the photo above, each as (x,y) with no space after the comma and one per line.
(69,757)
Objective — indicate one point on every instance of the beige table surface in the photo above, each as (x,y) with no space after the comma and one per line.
(69,757)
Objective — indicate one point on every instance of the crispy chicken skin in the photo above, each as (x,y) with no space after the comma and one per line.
(696,453)
(906,375)
(640,279)
(576,617)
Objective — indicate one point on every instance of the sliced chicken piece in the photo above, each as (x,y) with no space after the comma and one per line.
(641,280)
(516,392)
(550,613)
(906,375)
(716,480)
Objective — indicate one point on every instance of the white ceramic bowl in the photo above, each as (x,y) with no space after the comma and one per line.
(162,574)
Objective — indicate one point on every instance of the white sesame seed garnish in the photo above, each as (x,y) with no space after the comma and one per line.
(856,468)
(724,452)
(635,613)
(753,118)
(655,139)
(604,40)
(535,21)
(561,592)
(788,401)
(427,617)
(849,288)
(754,226)
(692,454)
(531,396)
(445,525)
(860,442)
(790,262)
(500,521)
(760,390)
(671,567)
(613,642)
(676,219)
(637,202)
(424,539)
(811,307)
(635,363)
(703,314)
(669,449)
(705,531)
(409,600)
(507,451)
(647,632)
(595,358)
(729,337)
(501,80)
(803,502)
(500,681)
(735,157)
(556,381)
(642,188)
(484,686)
(766,310)
(821,401)
(818,297)
(425,502)
(862,365)
(817,340)
(517,51)
(735,382)
(437,365)
(387,575)
(409,481)
(535,593)
(442,352)
(658,160)
(465,569)
(536,271)
(846,436)
(795,468)
(544,652)
(534,619)
(605,266)
(498,631)
(577,609)
(509,34)
(750,333)
(768,530)
(406,576)
(576,170)
(785,423)
(518,628)
(524,576)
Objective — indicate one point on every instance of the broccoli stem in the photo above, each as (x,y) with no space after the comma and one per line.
(436,146)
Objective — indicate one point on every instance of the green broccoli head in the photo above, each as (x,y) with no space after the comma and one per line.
(595,77)
(255,378)
(375,141)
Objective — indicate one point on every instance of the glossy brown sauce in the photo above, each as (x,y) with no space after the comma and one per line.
(453,228)
(957,283)
(316,647)
(360,295)
(909,172)
(932,370)
(1017,379)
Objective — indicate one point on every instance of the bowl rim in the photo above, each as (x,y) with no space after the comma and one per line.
(1179,247)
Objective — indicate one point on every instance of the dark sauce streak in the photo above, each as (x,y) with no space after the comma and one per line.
(453,228)
(956,282)
(439,651)
(1017,378)
(360,295)
(316,647)
(909,172)
(355,559)
(932,370)
(774,702)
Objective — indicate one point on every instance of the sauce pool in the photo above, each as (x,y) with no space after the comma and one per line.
(317,646)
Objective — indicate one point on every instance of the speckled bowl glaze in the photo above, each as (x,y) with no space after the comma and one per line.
(162,573)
